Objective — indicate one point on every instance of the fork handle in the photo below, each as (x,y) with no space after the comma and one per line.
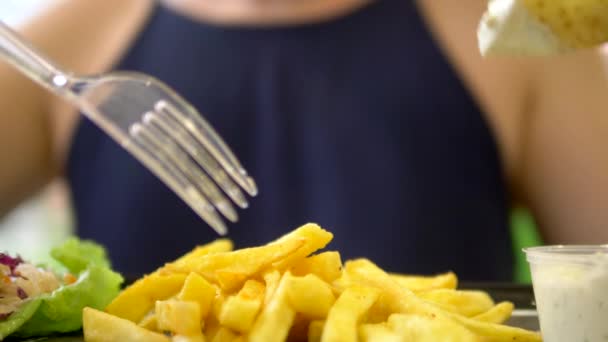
(30,62)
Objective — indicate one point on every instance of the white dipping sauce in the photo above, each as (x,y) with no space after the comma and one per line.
(572,298)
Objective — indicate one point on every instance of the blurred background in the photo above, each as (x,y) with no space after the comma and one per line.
(45,220)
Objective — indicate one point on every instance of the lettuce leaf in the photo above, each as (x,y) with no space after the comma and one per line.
(61,310)
(77,255)
(18,318)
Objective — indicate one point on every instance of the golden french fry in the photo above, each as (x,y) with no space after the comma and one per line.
(401,300)
(198,289)
(230,280)
(276,318)
(341,284)
(234,267)
(212,326)
(347,312)
(463,302)
(179,317)
(272,280)
(239,311)
(498,333)
(380,311)
(425,283)
(225,335)
(149,322)
(218,303)
(217,246)
(326,265)
(430,329)
(137,300)
(497,314)
(379,333)
(99,326)
(309,295)
(315,238)
(315,331)
(182,338)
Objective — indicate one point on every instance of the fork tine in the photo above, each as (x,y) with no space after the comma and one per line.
(182,161)
(207,136)
(157,160)
(198,152)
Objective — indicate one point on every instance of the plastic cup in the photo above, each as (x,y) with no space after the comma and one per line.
(571,291)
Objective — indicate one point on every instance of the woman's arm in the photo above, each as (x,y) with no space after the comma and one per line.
(565,148)
(35,127)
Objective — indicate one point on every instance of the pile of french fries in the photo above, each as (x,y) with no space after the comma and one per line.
(283,291)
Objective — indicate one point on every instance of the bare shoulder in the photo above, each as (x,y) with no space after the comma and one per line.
(500,86)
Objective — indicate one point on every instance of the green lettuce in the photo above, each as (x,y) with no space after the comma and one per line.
(18,318)
(61,310)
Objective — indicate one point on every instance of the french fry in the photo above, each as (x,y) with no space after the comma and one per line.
(149,322)
(379,332)
(198,289)
(234,267)
(239,311)
(102,327)
(276,318)
(179,317)
(212,326)
(230,280)
(224,335)
(217,246)
(218,303)
(347,313)
(466,303)
(430,329)
(309,295)
(271,279)
(315,331)
(402,300)
(316,238)
(497,314)
(181,338)
(426,283)
(137,300)
(326,265)
(380,311)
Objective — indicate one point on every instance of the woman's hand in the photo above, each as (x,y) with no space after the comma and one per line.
(540,27)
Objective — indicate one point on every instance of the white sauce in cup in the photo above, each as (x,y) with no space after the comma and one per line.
(571,291)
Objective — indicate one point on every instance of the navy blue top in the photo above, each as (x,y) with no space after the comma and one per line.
(358,124)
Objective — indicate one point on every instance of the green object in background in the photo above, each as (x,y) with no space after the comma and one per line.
(524,234)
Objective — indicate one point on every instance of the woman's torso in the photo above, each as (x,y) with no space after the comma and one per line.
(358,124)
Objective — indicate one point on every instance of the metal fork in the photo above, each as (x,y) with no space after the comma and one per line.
(154,124)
